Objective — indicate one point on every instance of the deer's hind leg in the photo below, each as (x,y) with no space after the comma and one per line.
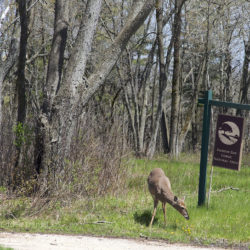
(154,212)
(164,211)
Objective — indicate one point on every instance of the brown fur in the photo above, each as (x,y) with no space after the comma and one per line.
(160,188)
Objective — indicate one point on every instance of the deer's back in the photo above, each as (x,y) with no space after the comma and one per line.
(159,185)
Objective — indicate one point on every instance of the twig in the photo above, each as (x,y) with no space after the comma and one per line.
(210,186)
(143,236)
(225,189)
(18,17)
(10,215)
(98,222)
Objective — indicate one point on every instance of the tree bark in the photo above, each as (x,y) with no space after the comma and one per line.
(138,121)
(20,83)
(5,67)
(20,86)
(56,57)
(193,105)
(245,79)
(54,75)
(162,79)
(199,82)
(64,119)
(176,78)
(163,72)
(165,132)
(145,99)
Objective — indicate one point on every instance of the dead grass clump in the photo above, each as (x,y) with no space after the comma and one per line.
(96,165)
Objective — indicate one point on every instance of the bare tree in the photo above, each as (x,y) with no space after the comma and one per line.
(176,78)
(162,78)
(21,83)
(245,79)
(75,90)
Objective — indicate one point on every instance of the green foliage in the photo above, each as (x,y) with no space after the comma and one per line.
(5,248)
(24,134)
(6,100)
(2,189)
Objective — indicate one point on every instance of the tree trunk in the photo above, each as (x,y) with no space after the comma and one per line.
(145,99)
(200,81)
(67,104)
(43,140)
(162,80)
(138,121)
(56,57)
(20,88)
(163,71)
(193,105)
(5,67)
(228,71)
(176,79)
(245,79)
(165,132)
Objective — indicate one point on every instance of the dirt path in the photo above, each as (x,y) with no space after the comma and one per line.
(25,241)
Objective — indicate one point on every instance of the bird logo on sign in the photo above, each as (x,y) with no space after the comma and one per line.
(229,133)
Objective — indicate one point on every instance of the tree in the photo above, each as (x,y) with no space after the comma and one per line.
(176,78)
(162,77)
(66,97)
(20,83)
(245,79)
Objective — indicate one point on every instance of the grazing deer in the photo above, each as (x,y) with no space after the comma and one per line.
(160,188)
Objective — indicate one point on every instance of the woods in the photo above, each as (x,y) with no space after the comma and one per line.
(84,83)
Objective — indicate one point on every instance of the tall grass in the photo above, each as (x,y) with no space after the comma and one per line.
(127,213)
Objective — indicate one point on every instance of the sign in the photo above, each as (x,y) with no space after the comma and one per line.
(228,142)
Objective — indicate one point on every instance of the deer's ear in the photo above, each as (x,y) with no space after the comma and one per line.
(183,199)
(175,198)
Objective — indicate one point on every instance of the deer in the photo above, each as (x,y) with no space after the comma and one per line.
(160,188)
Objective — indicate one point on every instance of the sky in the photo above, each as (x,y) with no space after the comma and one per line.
(3,11)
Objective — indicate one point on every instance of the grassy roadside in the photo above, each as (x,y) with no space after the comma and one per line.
(5,248)
(226,221)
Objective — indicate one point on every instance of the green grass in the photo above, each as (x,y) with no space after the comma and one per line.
(5,248)
(225,222)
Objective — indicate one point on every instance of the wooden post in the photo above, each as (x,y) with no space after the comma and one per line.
(210,186)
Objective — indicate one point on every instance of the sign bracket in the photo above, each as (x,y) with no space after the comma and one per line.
(208,102)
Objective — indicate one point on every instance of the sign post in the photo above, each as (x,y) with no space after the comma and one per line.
(204,147)
(208,102)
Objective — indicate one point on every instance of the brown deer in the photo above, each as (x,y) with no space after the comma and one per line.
(160,188)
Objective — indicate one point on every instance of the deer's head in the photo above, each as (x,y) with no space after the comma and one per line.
(180,206)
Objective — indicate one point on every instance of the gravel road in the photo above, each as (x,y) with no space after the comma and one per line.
(26,241)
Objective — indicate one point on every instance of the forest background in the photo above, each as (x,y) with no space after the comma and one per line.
(87,83)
